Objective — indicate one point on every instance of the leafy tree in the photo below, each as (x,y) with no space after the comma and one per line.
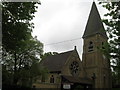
(7,76)
(16,26)
(26,60)
(21,52)
(113,29)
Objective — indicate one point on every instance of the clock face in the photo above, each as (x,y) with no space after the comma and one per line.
(74,68)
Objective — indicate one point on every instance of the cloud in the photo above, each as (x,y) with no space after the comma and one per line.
(61,20)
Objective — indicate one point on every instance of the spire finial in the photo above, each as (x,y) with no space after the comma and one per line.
(75,47)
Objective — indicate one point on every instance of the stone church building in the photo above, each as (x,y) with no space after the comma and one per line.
(67,71)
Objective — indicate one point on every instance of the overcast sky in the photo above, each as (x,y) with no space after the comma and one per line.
(62,20)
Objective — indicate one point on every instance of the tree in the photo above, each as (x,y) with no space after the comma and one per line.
(21,52)
(113,29)
(26,60)
(48,54)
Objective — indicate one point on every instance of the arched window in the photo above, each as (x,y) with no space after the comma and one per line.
(90,46)
(52,79)
(103,45)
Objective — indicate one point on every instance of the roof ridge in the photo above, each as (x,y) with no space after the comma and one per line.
(66,52)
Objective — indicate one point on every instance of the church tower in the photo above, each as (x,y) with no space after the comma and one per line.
(95,63)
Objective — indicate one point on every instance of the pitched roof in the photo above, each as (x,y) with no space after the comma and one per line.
(94,24)
(55,62)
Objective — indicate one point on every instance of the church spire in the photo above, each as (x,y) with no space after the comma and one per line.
(94,24)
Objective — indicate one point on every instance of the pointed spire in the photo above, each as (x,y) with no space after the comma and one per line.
(94,24)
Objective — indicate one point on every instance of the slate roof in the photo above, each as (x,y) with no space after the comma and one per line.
(54,63)
(94,24)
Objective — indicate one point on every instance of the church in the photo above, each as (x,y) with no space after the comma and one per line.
(67,71)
